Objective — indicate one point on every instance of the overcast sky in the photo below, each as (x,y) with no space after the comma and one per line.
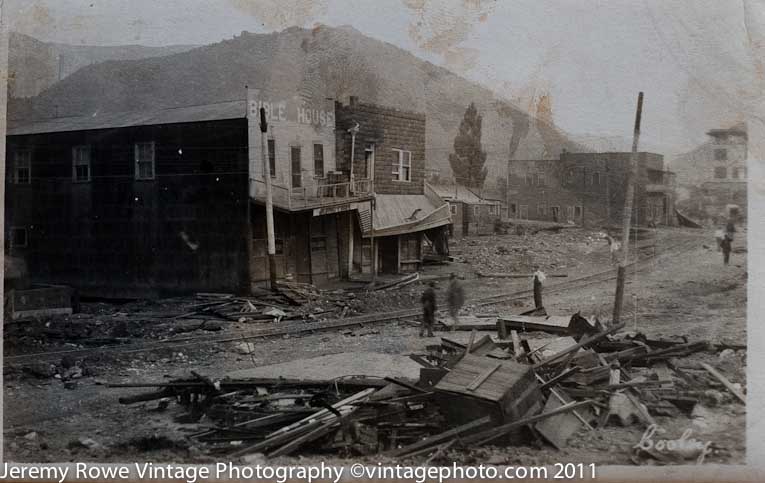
(693,59)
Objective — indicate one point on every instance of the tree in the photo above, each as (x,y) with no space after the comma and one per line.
(468,159)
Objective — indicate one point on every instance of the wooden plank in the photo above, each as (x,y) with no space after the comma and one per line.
(724,381)
(517,349)
(584,342)
(555,324)
(436,439)
(502,329)
(482,377)
(411,387)
(470,342)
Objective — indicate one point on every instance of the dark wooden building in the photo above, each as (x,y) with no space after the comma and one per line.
(132,204)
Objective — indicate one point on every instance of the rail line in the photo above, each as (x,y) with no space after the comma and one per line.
(298,327)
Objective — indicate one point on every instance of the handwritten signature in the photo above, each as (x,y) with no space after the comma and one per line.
(684,446)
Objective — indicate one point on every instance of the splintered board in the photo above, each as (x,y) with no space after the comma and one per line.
(556,324)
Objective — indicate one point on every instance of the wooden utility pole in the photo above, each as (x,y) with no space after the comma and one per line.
(627,215)
(269,200)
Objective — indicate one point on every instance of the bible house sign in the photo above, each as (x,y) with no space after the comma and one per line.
(301,133)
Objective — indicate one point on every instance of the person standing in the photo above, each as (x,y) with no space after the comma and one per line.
(455,298)
(428,310)
(539,279)
(726,249)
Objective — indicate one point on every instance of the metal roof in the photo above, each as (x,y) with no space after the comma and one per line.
(458,193)
(397,214)
(111,120)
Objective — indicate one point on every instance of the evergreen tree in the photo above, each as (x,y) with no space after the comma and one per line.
(468,159)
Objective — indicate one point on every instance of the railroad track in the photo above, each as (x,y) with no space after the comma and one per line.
(298,327)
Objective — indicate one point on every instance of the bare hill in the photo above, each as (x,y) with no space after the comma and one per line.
(325,61)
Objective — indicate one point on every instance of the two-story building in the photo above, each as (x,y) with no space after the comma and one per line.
(134,204)
(588,189)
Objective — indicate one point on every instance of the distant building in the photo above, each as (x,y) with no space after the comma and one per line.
(715,174)
(471,214)
(588,189)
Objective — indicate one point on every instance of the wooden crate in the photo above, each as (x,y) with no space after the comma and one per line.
(478,386)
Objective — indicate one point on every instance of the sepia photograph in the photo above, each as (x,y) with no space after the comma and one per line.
(394,234)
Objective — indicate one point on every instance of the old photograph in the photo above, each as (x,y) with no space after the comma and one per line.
(415,232)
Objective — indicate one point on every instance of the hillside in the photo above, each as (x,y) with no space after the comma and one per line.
(325,61)
(34,65)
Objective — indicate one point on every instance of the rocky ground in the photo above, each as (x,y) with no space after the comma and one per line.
(57,407)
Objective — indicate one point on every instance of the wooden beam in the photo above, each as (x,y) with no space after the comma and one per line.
(481,378)
(437,438)
(724,381)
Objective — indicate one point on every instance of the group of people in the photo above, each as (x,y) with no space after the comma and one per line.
(725,239)
(455,298)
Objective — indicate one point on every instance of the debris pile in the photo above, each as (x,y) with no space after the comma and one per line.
(504,390)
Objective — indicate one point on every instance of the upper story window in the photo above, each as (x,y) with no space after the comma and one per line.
(540,179)
(453,208)
(272,157)
(402,171)
(529,179)
(721,154)
(493,210)
(596,179)
(22,167)
(318,160)
(144,160)
(721,172)
(81,163)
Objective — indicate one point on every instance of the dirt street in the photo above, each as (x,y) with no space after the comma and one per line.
(686,291)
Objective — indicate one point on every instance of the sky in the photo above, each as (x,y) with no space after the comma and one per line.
(697,61)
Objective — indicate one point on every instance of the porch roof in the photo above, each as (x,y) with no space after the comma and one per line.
(400,214)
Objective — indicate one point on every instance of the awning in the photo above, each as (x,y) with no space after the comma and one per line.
(399,214)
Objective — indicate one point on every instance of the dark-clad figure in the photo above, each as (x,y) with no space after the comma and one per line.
(428,310)
(726,249)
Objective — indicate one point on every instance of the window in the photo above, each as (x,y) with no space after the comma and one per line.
(475,210)
(513,210)
(577,212)
(529,179)
(493,209)
(595,178)
(524,212)
(541,210)
(403,170)
(81,163)
(453,208)
(570,175)
(272,157)
(144,160)
(739,173)
(540,179)
(22,167)
(318,160)
(369,161)
(721,154)
(19,237)
(721,172)
(569,212)
(297,167)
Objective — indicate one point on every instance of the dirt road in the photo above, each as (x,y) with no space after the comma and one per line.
(685,293)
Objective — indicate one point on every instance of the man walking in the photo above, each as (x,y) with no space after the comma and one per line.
(455,298)
(719,235)
(428,310)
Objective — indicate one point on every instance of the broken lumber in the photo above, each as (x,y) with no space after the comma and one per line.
(490,435)
(438,438)
(724,380)
(589,340)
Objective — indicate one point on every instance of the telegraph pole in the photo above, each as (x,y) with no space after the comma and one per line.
(269,200)
(627,216)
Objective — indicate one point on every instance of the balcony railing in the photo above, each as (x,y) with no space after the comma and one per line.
(313,196)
